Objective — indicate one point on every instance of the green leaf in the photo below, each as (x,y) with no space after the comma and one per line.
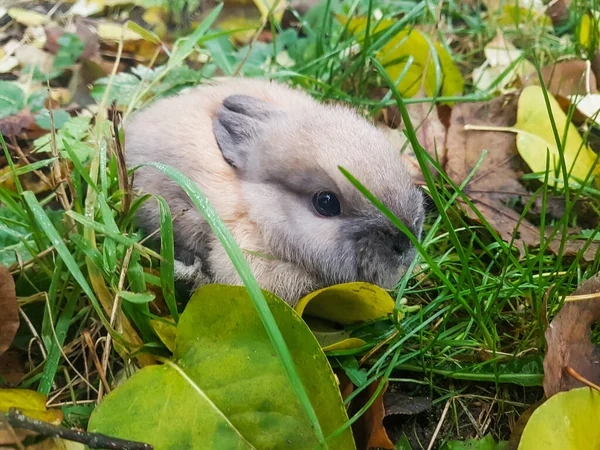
(225,388)
(61,117)
(12,99)
(566,421)
(71,48)
(137,297)
(485,443)
(123,88)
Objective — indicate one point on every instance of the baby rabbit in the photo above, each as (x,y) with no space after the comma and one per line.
(266,156)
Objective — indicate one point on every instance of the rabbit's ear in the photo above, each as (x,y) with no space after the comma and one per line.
(238,122)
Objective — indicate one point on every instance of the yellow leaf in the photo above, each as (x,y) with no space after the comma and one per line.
(535,136)
(347,303)
(246,25)
(589,29)
(346,344)
(513,15)
(166,332)
(111,31)
(277,8)
(156,17)
(30,403)
(422,70)
(28,18)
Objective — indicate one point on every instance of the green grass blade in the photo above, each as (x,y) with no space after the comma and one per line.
(241,266)
(167,251)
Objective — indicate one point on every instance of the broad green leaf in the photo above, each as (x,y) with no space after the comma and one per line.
(123,88)
(225,388)
(60,117)
(71,48)
(566,421)
(30,403)
(12,99)
(412,44)
(347,303)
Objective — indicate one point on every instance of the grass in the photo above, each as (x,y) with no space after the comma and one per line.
(477,333)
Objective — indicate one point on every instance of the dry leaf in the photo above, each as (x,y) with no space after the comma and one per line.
(12,367)
(569,343)
(9,319)
(27,17)
(369,431)
(496,182)
(565,78)
(500,55)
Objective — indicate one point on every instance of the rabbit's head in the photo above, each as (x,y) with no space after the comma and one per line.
(307,211)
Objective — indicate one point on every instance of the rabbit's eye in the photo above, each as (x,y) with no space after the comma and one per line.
(326,204)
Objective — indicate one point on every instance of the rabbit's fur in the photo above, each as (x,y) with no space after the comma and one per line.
(259,151)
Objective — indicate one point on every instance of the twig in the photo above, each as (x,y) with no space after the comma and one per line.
(439,425)
(16,419)
(581,379)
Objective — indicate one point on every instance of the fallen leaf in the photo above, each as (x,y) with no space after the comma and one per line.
(588,105)
(496,182)
(500,55)
(347,303)
(114,32)
(412,43)
(566,421)
(30,55)
(369,431)
(28,17)
(564,78)
(535,136)
(12,368)
(558,11)
(30,403)
(9,319)
(17,124)
(569,343)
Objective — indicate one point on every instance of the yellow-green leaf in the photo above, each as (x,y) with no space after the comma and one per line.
(566,421)
(277,10)
(535,136)
(30,403)
(225,386)
(347,303)
(165,331)
(422,70)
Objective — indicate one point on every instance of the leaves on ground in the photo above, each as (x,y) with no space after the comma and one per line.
(566,421)
(569,340)
(225,386)
(9,319)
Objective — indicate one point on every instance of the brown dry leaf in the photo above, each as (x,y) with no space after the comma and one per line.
(558,11)
(565,78)
(569,343)
(496,181)
(369,431)
(9,319)
(17,124)
(12,368)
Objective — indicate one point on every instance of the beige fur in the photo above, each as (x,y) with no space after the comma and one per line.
(263,213)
